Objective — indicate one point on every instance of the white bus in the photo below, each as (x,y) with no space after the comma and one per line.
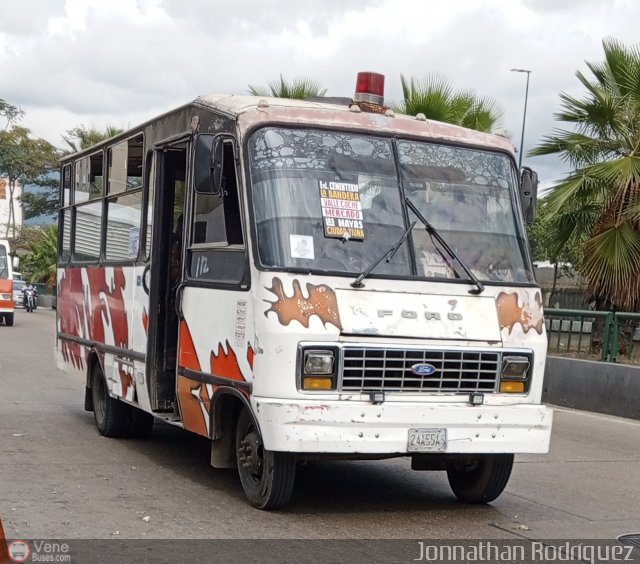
(7,308)
(304,279)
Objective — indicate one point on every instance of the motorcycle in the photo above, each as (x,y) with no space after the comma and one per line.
(29,300)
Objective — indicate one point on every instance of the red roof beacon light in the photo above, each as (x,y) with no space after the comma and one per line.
(370,88)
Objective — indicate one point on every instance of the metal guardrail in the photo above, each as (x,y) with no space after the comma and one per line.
(607,334)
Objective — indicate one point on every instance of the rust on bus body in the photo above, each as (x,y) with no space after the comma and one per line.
(339,117)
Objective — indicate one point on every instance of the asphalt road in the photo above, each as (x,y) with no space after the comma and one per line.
(60,479)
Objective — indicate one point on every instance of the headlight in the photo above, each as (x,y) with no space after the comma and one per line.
(514,378)
(6,296)
(318,362)
(515,367)
(318,369)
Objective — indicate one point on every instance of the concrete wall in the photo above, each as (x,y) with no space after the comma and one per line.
(603,387)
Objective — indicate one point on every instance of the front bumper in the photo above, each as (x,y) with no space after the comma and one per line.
(348,427)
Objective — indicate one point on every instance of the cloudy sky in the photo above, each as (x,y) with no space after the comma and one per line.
(120,62)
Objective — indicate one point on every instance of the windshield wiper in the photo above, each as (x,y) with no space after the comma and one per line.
(357,283)
(433,232)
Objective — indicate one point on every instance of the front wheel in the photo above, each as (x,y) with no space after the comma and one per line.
(267,477)
(479,478)
(8,319)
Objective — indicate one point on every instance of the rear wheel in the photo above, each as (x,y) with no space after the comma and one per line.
(112,417)
(267,477)
(480,478)
(8,319)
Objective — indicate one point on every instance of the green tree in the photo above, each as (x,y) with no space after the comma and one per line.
(298,88)
(11,114)
(543,240)
(599,201)
(436,99)
(39,265)
(24,160)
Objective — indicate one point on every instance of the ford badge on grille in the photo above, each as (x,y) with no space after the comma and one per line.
(423,369)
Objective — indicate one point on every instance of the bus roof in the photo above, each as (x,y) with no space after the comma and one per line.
(252,110)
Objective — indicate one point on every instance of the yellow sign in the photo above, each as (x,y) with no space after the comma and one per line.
(341,210)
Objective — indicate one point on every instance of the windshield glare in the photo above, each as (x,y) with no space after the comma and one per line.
(331,202)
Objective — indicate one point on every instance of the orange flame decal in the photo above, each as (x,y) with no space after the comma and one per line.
(226,364)
(321,302)
(195,405)
(187,354)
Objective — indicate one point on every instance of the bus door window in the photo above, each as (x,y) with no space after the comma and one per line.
(217,254)
(174,270)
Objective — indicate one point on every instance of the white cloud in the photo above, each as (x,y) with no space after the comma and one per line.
(123,61)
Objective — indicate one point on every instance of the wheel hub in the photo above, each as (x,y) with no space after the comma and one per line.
(250,454)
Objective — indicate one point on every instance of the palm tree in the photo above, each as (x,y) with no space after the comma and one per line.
(40,264)
(599,202)
(436,99)
(299,88)
(82,137)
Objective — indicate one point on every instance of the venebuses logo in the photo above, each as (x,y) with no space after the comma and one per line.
(19,551)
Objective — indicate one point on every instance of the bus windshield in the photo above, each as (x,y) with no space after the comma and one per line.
(332,201)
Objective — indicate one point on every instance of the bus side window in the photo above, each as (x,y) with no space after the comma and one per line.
(217,216)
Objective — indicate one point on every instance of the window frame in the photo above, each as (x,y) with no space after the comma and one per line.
(75,166)
(74,259)
(130,260)
(72,208)
(63,209)
(109,152)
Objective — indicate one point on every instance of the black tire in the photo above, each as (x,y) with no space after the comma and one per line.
(8,319)
(141,424)
(112,417)
(267,477)
(479,478)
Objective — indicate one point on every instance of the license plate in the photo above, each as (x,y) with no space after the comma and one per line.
(427,440)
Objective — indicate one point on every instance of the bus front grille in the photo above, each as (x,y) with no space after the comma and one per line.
(444,371)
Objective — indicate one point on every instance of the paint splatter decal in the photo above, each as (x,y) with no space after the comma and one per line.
(94,310)
(321,302)
(517,308)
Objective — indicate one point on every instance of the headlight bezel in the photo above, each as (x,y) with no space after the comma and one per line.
(319,380)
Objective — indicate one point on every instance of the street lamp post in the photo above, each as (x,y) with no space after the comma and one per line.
(524,115)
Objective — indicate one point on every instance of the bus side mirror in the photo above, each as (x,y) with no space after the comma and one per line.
(208,164)
(528,193)
(16,262)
